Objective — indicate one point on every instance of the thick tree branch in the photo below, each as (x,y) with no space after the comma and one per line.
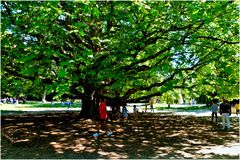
(17,74)
(147,88)
(217,39)
(9,12)
(144,98)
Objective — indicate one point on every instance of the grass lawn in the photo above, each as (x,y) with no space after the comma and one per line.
(18,107)
(35,108)
(160,136)
(185,108)
(40,105)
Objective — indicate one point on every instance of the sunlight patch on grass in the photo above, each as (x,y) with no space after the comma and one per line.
(183,108)
(37,105)
(7,106)
(25,124)
(23,140)
(101,152)
(55,145)
(79,147)
(115,155)
(59,133)
(119,145)
(184,154)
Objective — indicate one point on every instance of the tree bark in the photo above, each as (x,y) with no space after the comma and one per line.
(89,104)
(44,97)
(116,103)
(87,108)
(180,97)
(207,102)
(168,101)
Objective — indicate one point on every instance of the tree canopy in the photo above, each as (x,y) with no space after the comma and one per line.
(129,51)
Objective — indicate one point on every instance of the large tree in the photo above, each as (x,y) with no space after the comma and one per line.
(123,51)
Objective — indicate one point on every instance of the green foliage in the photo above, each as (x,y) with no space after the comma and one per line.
(137,49)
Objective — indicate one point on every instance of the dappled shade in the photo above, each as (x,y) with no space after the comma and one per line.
(59,135)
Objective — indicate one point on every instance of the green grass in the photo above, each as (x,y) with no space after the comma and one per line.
(187,108)
(42,105)
(55,105)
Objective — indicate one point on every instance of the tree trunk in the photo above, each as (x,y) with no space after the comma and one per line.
(116,103)
(116,111)
(89,104)
(180,97)
(87,108)
(207,101)
(44,97)
(168,101)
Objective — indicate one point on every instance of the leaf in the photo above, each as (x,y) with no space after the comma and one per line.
(81,32)
(95,12)
(74,31)
(61,73)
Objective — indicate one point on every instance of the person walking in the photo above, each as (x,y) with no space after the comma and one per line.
(214,109)
(103,115)
(225,111)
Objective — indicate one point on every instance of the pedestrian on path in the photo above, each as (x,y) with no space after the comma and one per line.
(103,115)
(214,109)
(225,111)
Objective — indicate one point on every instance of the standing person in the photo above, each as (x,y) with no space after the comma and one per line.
(103,118)
(214,109)
(225,111)
(135,111)
(237,107)
(124,112)
(146,107)
(151,105)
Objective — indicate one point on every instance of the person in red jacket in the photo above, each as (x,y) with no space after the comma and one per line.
(103,115)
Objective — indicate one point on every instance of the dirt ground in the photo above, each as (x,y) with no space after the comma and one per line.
(61,135)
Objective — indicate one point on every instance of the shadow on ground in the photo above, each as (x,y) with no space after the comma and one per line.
(160,136)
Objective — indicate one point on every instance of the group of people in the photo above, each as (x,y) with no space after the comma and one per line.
(190,102)
(224,110)
(10,100)
(68,103)
(103,116)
